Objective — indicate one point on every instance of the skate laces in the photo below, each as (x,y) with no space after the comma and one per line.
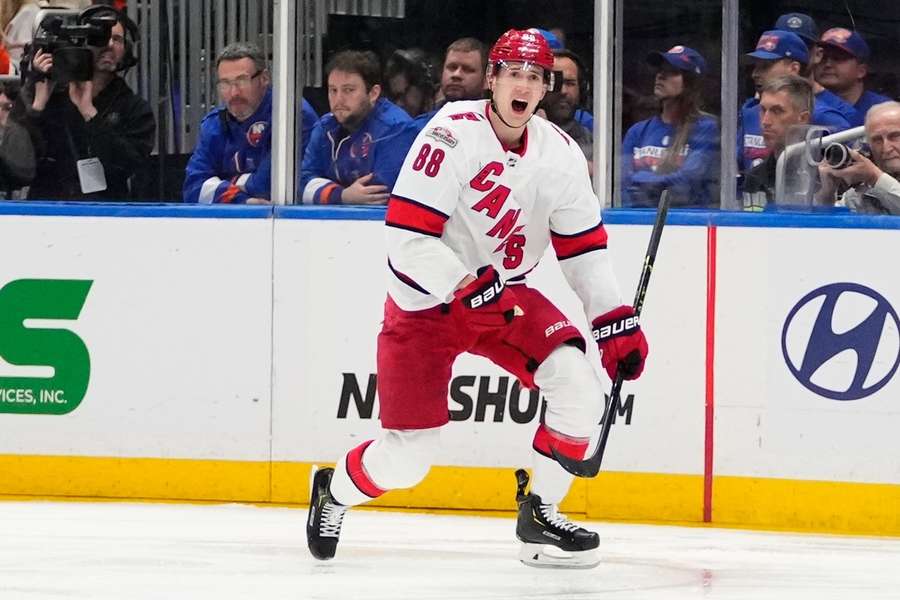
(556,518)
(332,519)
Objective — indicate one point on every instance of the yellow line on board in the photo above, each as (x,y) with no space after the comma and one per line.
(738,502)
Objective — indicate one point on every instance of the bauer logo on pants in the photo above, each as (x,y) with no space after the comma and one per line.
(54,349)
(842,341)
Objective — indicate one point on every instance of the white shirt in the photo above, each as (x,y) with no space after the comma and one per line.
(463,201)
(19,32)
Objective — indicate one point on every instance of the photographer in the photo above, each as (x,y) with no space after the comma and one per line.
(97,131)
(873,184)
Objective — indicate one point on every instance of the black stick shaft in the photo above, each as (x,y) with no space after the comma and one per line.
(591,466)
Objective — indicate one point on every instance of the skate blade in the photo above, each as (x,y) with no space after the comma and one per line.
(545,556)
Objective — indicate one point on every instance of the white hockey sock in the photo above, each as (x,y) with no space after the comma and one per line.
(550,481)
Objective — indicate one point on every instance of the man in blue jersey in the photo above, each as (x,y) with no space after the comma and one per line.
(355,151)
(231,163)
(779,53)
(786,104)
(842,68)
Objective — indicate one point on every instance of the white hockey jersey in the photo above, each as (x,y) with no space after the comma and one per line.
(463,201)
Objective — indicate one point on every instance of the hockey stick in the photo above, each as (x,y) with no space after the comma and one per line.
(591,466)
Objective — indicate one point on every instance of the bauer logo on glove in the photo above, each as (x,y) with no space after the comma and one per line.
(623,327)
(486,295)
(621,342)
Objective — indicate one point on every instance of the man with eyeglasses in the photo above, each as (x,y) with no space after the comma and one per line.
(98,133)
(231,163)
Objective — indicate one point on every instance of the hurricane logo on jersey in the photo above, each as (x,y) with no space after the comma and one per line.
(842,341)
(256,132)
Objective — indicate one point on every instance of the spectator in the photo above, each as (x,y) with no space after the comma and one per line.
(842,68)
(356,150)
(98,132)
(556,39)
(17,26)
(676,149)
(17,162)
(462,77)
(874,184)
(805,27)
(409,80)
(785,102)
(231,163)
(560,106)
(801,25)
(780,53)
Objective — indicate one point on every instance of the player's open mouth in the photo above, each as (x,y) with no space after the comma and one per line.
(519,106)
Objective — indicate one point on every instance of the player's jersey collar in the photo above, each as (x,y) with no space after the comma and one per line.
(521,148)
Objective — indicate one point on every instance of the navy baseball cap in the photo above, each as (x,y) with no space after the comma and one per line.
(848,41)
(777,44)
(802,25)
(680,57)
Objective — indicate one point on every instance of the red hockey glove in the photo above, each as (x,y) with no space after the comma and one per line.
(487,303)
(622,344)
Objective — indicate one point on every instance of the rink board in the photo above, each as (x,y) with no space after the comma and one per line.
(230,350)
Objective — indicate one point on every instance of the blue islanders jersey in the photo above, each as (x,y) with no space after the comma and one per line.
(335,158)
(646,145)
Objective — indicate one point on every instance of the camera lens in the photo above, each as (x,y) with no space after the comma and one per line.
(837,155)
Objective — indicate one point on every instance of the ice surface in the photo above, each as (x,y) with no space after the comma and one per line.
(130,551)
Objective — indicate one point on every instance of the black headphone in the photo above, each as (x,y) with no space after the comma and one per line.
(584,80)
(132,32)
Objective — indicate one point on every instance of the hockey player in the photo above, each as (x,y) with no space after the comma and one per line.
(485,188)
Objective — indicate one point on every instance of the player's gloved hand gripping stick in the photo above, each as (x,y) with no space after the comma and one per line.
(487,302)
(629,360)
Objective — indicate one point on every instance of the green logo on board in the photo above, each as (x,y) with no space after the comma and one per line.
(38,346)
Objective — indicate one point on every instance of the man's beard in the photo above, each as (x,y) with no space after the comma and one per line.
(559,110)
(354,120)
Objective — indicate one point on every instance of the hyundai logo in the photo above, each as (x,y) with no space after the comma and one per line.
(842,341)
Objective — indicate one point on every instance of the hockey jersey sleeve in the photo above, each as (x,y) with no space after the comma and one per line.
(317,185)
(426,194)
(201,182)
(580,242)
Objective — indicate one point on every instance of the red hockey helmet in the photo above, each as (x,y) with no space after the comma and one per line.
(522,45)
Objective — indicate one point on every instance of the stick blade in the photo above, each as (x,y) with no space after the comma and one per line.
(579,468)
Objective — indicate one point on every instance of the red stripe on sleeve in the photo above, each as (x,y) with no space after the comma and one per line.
(406,214)
(570,447)
(358,474)
(568,246)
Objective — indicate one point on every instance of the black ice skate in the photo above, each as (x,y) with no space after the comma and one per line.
(549,539)
(323,526)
